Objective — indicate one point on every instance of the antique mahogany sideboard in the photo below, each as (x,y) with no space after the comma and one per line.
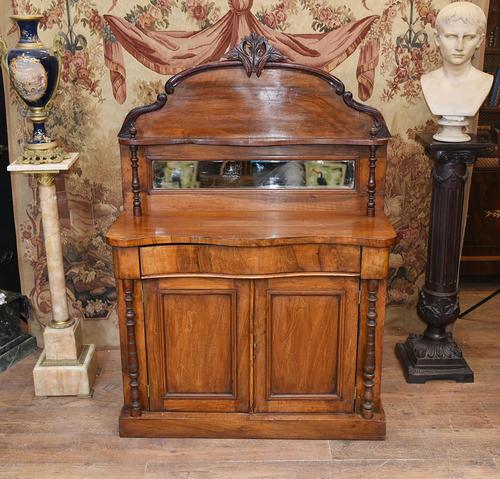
(252,255)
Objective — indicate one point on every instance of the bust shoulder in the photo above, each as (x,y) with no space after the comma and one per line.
(429,81)
(483,77)
(432,76)
(460,96)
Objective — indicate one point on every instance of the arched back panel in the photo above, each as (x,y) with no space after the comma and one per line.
(250,106)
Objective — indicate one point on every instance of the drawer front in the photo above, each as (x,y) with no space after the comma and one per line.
(202,259)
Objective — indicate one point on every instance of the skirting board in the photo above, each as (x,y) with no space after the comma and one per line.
(256,426)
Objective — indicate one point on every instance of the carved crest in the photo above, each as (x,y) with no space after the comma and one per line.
(254,51)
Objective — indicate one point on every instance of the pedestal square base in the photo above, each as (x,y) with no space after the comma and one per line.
(63,344)
(421,370)
(66,378)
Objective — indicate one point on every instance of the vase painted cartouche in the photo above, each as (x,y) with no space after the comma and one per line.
(34,73)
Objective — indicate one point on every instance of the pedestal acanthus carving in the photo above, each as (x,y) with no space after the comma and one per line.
(66,366)
(425,348)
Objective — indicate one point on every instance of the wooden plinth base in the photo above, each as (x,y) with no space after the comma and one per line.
(257,426)
(418,371)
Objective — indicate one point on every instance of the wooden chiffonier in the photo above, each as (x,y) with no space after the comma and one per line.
(252,254)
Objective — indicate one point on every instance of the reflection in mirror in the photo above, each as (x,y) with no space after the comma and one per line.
(338,174)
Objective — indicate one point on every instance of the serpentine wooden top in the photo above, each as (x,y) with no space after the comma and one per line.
(259,228)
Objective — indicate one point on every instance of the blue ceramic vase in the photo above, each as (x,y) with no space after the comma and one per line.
(34,73)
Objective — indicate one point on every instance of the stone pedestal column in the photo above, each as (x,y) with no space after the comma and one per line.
(435,355)
(66,366)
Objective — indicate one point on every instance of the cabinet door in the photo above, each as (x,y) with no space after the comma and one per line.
(305,344)
(198,343)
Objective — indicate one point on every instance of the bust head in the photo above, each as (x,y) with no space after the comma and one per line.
(460,30)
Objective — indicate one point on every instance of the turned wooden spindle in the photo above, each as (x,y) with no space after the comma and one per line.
(136,184)
(133,368)
(372,185)
(369,366)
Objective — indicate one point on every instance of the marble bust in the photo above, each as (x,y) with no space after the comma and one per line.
(457,89)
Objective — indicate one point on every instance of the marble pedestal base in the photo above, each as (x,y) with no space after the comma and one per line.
(66,378)
(66,367)
(15,350)
(63,344)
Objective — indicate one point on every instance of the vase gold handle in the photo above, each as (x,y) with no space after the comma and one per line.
(56,48)
(3,54)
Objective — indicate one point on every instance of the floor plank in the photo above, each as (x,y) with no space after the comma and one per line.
(350,469)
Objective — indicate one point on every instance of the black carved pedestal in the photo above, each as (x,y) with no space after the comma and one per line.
(435,355)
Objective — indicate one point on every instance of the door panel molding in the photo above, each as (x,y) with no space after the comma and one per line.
(281,335)
(197,336)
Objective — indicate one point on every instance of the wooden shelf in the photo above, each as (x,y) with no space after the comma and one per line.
(492,51)
(481,232)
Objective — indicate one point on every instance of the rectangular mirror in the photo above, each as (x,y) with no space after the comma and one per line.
(337,174)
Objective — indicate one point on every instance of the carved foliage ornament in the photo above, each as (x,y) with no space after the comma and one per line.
(450,174)
(458,156)
(254,52)
(427,349)
(436,310)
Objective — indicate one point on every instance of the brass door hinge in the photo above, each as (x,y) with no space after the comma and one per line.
(148,389)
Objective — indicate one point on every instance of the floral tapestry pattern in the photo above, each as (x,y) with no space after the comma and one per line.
(392,52)
(168,52)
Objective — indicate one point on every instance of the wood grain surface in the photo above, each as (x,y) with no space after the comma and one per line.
(263,228)
(179,259)
(198,335)
(299,106)
(313,375)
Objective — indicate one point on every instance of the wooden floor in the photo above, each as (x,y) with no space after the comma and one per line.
(436,430)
